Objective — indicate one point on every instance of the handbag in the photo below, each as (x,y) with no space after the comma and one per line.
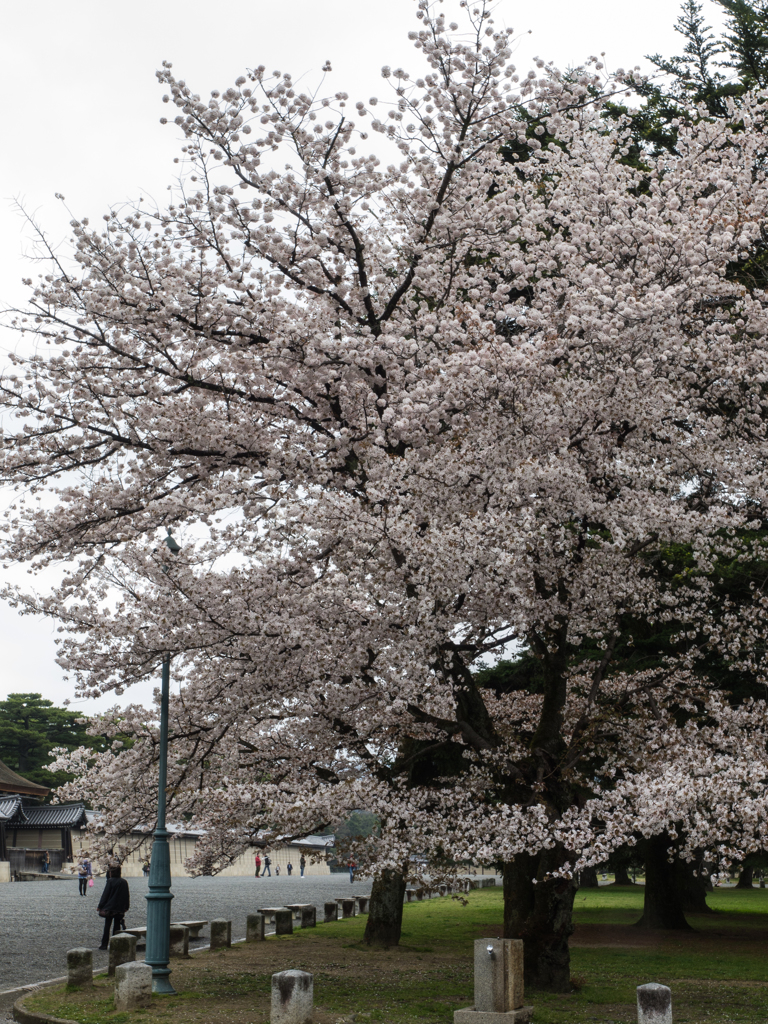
(90,883)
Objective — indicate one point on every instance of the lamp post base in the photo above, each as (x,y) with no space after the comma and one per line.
(161,983)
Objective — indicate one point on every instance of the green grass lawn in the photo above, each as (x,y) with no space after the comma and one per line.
(718,972)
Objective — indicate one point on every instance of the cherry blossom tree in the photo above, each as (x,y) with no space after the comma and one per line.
(401,418)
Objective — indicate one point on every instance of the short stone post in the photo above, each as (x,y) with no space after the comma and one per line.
(284,922)
(221,933)
(362,904)
(254,928)
(133,986)
(347,908)
(292,997)
(122,950)
(308,917)
(331,912)
(179,940)
(498,985)
(408,895)
(420,893)
(654,1004)
(80,967)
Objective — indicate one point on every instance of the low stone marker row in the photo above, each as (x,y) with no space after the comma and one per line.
(292,991)
(444,889)
(499,995)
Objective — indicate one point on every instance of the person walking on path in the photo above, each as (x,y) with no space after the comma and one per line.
(352,867)
(82,876)
(46,862)
(267,862)
(145,868)
(289,868)
(257,862)
(114,904)
(302,864)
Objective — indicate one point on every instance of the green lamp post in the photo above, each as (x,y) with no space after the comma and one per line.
(159,896)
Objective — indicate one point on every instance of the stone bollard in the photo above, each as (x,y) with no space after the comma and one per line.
(308,917)
(221,933)
(283,922)
(347,908)
(408,895)
(331,912)
(654,1004)
(122,950)
(254,928)
(362,904)
(420,894)
(80,967)
(179,940)
(498,985)
(292,997)
(133,986)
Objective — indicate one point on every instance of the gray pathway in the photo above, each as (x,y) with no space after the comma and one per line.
(40,921)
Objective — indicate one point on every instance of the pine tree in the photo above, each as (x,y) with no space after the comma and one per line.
(30,727)
(746,42)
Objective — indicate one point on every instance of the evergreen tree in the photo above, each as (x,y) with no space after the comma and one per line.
(30,727)
(693,73)
(745,43)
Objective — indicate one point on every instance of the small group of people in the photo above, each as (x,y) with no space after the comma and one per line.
(264,867)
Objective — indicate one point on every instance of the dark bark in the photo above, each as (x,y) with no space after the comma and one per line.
(541,915)
(588,878)
(663,903)
(622,876)
(745,878)
(385,911)
(693,888)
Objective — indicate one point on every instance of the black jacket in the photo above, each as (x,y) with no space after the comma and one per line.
(116,898)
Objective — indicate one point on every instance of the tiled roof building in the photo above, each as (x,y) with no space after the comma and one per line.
(12,782)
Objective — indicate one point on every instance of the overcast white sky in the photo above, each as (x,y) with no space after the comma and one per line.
(82,107)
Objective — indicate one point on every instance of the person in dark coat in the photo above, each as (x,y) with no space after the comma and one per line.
(114,903)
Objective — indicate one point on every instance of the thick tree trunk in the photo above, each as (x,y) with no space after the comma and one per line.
(385,910)
(745,879)
(588,878)
(663,905)
(622,876)
(693,889)
(540,914)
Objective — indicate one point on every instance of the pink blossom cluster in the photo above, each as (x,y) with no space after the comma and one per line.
(402,419)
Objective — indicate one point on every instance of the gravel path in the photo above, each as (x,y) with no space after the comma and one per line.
(40,921)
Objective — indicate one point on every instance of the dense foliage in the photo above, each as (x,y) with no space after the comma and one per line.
(30,729)
(506,390)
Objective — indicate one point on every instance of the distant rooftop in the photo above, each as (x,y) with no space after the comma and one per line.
(10,807)
(46,816)
(56,816)
(12,782)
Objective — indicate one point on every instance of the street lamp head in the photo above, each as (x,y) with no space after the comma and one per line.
(171,542)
